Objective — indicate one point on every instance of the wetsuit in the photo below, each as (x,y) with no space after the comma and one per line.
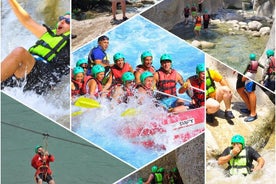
(48,70)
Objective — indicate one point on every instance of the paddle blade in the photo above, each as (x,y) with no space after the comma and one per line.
(129,112)
(76,113)
(87,103)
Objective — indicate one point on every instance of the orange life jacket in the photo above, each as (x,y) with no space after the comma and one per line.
(118,72)
(167,81)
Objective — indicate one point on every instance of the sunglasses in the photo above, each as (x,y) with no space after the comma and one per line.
(67,20)
(128,82)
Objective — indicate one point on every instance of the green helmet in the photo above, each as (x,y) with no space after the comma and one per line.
(165,57)
(97,69)
(252,56)
(144,55)
(161,170)
(78,70)
(238,139)
(269,53)
(117,56)
(81,61)
(145,75)
(200,68)
(37,147)
(140,181)
(174,169)
(127,76)
(154,169)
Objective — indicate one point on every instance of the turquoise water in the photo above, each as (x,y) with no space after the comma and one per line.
(99,125)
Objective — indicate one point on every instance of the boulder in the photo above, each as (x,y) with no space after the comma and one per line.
(207,45)
(264,31)
(254,25)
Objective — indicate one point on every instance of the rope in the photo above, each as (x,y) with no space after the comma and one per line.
(47,135)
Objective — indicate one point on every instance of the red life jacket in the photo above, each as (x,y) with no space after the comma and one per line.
(253,66)
(206,18)
(141,69)
(186,11)
(167,81)
(80,87)
(193,8)
(271,68)
(198,97)
(118,72)
(148,90)
(99,87)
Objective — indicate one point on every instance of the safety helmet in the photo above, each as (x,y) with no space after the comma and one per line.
(145,75)
(161,170)
(205,11)
(238,139)
(165,57)
(174,169)
(140,181)
(200,68)
(269,53)
(117,56)
(97,69)
(37,147)
(144,55)
(78,70)
(81,61)
(127,76)
(252,56)
(154,169)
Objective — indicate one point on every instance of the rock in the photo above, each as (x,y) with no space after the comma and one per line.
(207,45)
(196,43)
(256,34)
(191,165)
(264,31)
(254,25)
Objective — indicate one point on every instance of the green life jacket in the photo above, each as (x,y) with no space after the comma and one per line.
(210,85)
(238,164)
(50,44)
(158,178)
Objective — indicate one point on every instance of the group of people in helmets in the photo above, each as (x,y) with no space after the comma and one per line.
(119,81)
(161,175)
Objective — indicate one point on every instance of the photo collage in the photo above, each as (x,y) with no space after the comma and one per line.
(138,91)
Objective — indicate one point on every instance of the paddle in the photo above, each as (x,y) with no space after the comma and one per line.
(87,103)
(129,112)
(170,95)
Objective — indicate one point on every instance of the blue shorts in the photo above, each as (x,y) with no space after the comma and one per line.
(168,102)
(250,87)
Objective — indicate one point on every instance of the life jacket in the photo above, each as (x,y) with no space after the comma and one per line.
(118,72)
(253,66)
(80,87)
(167,82)
(141,69)
(210,85)
(158,178)
(206,18)
(186,11)
(193,9)
(148,91)
(99,87)
(91,59)
(198,96)
(271,68)
(49,44)
(238,164)
(198,21)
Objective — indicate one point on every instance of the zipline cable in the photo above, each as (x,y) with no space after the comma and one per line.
(46,135)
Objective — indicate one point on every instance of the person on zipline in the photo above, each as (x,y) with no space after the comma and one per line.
(41,162)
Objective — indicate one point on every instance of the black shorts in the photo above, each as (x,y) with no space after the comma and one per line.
(205,25)
(47,178)
(239,83)
(186,15)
